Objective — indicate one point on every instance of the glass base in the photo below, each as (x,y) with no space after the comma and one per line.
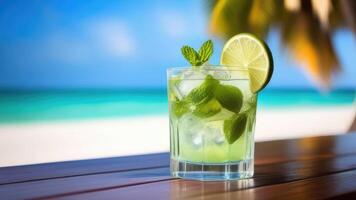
(212,171)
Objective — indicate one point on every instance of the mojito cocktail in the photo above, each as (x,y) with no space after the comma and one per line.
(212,110)
(212,118)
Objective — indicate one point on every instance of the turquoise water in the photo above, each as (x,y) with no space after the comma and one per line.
(30,106)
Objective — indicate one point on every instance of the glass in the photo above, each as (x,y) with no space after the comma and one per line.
(199,147)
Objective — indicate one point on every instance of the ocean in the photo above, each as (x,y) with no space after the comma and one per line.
(58,105)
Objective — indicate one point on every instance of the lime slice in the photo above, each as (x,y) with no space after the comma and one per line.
(247,51)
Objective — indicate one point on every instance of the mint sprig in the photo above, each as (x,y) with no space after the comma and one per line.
(191,55)
(198,58)
(205,51)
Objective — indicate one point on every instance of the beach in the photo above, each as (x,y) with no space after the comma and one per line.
(52,141)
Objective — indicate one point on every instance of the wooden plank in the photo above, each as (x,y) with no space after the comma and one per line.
(350,195)
(266,152)
(52,187)
(328,186)
(80,168)
(296,149)
(134,183)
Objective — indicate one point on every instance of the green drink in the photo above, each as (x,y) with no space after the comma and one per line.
(212,135)
(212,109)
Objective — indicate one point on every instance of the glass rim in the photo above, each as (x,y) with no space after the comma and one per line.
(211,68)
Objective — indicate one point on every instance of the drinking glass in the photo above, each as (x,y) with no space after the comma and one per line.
(212,114)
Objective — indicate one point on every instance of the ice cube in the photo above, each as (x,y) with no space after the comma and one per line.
(187,73)
(222,73)
(185,86)
(192,130)
(219,139)
(214,134)
(206,69)
(249,103)
(197,139)
(175,90)
(190,80)
(193,74)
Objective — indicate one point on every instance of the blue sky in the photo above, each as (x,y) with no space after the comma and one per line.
(121,44)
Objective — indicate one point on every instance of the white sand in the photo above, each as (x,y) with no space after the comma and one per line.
(57,141)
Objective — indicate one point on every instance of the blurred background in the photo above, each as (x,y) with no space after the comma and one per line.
(86,79)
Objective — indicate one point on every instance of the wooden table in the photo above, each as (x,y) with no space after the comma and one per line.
(309,168)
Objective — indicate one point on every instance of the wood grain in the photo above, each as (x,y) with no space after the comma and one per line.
(81,184)
(306,148)
(81,168)
(266,152)
(287,168)
(125,183)
(329,186)
(324,187)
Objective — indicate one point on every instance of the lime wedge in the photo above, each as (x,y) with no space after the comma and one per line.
(247,51)
(230,97)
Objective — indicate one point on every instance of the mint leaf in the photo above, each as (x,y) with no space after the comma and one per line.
(202,98)
(191,55)
(179,108)
(235,127)
(204,92)
(205,51)
(195,58)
